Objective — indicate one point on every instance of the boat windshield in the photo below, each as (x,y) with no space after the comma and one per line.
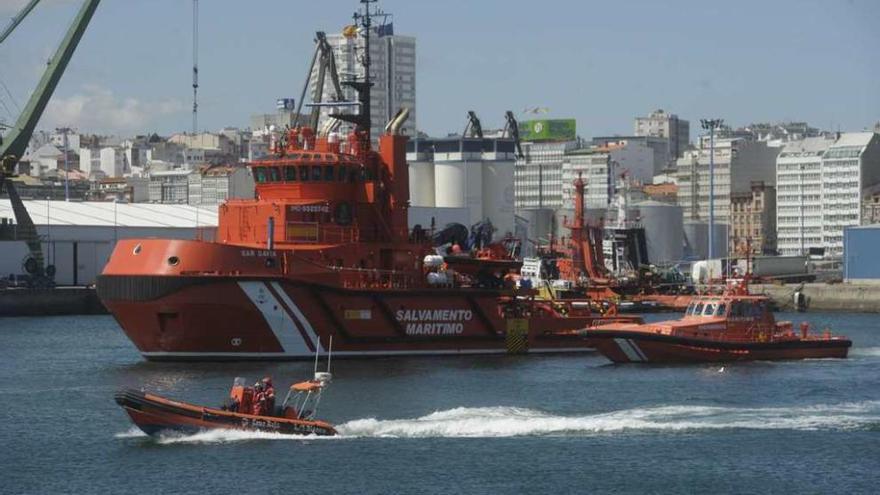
(706,308)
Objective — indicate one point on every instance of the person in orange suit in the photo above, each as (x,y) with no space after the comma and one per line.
(259,403)
(269,393)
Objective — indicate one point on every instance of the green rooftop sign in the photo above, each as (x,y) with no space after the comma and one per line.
(548,130)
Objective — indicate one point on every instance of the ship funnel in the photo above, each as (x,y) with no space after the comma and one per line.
(393,126)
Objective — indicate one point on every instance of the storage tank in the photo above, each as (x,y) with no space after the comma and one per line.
(696,234)
(421,183)
(498,195)
(664,230)
(459,183)
(541,223)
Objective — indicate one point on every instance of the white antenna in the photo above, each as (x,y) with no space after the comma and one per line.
(317,350)
(329,354)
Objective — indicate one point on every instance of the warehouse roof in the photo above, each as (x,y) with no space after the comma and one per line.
(95,213)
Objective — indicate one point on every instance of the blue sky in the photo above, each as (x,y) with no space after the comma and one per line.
(600,62)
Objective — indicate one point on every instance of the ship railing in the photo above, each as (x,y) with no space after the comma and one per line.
(318,233)
(367,278)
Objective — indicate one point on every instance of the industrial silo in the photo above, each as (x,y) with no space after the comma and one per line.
(664,230)
(421,183)
(420,156)
(696,233)
(498,194)
(459,184)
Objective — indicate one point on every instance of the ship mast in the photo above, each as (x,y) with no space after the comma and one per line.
(362,120)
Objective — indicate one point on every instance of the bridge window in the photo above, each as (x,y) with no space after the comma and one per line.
(328,173)
(342,173)
(303,173)
(722,308)
(710,309)
(274,174)
(259,174)
(290,174)
(316,172)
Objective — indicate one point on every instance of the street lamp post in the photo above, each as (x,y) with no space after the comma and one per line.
(65,131)
(801,187)
(711,125)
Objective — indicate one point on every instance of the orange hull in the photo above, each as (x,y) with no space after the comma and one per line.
(639,347)
(155,415)
(191,313)
(228,318)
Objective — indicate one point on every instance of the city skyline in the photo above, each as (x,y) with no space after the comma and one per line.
(601,65)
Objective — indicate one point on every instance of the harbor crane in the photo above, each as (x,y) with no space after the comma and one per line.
(14,144)
(473,127)
(326,61)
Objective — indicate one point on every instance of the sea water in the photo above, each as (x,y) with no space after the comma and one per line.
(469,424)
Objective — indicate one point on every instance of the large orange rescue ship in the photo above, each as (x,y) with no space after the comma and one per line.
(324,250)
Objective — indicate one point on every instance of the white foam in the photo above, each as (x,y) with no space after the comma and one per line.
(229,436)
(498,422)
(865,352)
(512,421)
(132,432)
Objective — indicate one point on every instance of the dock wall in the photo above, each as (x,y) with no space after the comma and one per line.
(50,302)
(853,297)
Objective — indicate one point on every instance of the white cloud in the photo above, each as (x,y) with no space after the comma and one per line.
(97,109)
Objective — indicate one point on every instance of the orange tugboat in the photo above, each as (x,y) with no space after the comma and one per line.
(325,250)
(734,326)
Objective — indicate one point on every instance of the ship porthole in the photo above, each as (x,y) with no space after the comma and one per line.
(137,249)
(173,261)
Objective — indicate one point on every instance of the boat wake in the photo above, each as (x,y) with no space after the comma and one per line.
(501,422)
(865,352)
(513,422)
(133,432)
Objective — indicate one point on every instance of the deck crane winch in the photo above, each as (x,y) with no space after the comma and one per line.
(14,144)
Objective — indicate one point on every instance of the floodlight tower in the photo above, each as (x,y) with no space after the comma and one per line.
(711,125)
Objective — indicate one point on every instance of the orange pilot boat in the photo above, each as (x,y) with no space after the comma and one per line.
(734,326)
(156,415)
(325,250)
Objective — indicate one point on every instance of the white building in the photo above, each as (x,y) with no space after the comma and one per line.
(849,167)
(113,161)
(668,126)
(45,158)
(822,182)
(738,163)
(799,195)
(393,74)
(103,161)
(169,186)
(601,167)
(215,185)
(538,179)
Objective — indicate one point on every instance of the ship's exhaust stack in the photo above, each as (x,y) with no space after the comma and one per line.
(392,148)
(396,122)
